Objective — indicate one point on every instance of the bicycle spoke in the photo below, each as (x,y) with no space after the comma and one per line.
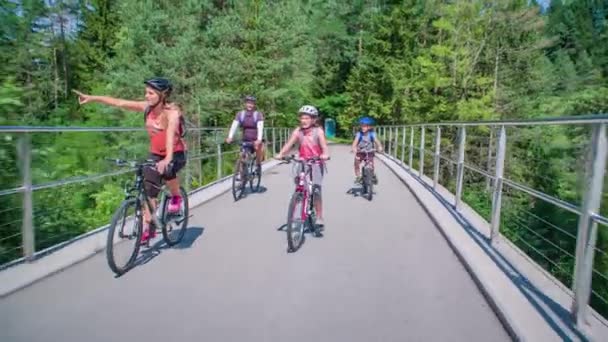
(123,237)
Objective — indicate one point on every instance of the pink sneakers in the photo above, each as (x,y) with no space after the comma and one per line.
(148,234)
(175,204)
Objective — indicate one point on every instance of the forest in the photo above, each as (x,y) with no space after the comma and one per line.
(400,62)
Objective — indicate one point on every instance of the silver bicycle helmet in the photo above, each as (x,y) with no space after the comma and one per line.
(309,110)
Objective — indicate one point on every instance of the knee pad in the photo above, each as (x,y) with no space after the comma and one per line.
(152,182)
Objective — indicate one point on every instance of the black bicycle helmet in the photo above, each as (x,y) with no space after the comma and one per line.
(160,84)
(249,98)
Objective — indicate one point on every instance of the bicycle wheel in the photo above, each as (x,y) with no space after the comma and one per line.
(124,235)
(238,181)
(255,176)
(175,225)
(368,184)
(295,222)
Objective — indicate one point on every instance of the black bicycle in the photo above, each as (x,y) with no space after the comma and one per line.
(301,214)
(246,171)
(367,174)
(126,229)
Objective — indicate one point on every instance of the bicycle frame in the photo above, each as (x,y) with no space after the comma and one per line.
(138,192)
(304,185)
(247,153)
(367,160)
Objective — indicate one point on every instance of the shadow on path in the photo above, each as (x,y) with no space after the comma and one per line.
(147,254)
(538,299)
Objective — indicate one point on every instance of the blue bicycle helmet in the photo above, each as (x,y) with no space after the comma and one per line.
(366,120)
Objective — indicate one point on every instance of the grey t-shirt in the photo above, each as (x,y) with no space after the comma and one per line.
(365,141)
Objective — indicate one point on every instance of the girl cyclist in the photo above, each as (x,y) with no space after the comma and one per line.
(311,139)
(165,125)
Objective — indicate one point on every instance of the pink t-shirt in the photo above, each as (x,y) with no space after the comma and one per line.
(310,143)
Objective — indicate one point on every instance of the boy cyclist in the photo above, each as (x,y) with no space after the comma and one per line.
(364,144)
(311,139)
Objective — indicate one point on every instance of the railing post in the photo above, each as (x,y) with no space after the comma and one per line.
(421,166)
(265,135)
(587,227)
(501,150)
(396,146)
(274,142)
(403,140)
(219,161)
(437,160)
(411,159)
(489,164)
(199,165)
(188,174)
(389,143)
(24,154)
(460,171)
(283,137)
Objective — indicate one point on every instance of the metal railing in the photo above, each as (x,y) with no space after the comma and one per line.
(42,198)
(539,183)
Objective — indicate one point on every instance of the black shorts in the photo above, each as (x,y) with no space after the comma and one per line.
(153,179)
(249,146)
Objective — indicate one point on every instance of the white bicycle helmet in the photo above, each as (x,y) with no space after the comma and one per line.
(309,110)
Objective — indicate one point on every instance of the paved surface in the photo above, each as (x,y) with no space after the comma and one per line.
(381,273)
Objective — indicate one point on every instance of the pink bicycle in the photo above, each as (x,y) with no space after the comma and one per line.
(301,215)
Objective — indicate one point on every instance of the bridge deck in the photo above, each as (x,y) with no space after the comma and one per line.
(382,272)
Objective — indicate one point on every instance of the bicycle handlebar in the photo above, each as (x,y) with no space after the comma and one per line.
(291,158)
(131,163)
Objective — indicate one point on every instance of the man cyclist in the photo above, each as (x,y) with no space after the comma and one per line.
(165,125)
(365,142)
(252,122)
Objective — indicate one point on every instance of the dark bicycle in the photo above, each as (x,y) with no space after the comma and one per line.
(367,174)
(301,215)
(246,171)
(126,229)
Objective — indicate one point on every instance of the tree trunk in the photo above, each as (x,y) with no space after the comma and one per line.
(497,60)
(64,56)
(56,79)
(360,43)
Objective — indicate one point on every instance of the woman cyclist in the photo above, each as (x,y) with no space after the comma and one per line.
(311,139)
(164,123)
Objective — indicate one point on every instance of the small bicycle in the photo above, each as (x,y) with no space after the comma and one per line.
(126,229)
(246,171)
(301,215)
(367,174)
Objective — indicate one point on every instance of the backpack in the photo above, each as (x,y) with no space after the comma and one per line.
(372,136)
(182,122)
(256,116)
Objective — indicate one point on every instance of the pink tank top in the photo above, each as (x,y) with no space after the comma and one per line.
(310,144)
(158,137)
